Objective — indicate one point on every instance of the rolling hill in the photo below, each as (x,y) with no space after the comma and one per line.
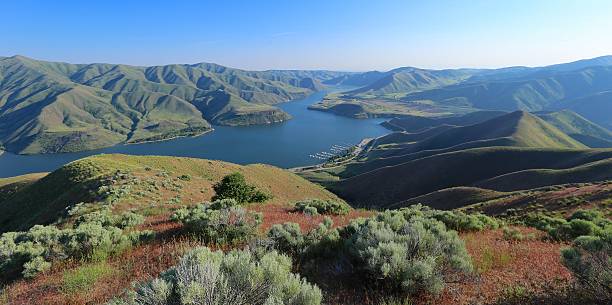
(391,184)
(146,184)
(509,152)
(579,128)
(61,107)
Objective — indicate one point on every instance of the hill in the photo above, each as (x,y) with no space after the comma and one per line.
(509,152)
(61,107)
(391,184)
(417,123)
(145,184)
(579,128)
(596,107)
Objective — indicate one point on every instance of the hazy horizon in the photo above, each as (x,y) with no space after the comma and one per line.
(323,69)
(315,35)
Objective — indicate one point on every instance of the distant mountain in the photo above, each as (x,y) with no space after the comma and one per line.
(60,107)
(356,79)
(539,91)
(406,80)
(416,123)
(567,121)
(583,86)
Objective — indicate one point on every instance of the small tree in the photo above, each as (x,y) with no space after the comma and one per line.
(234,186)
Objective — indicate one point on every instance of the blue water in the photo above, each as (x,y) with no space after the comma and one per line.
(287,144)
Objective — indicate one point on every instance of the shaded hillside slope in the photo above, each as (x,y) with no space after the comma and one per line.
(105,179)
(579,128)
(415,123)
(596,107)
(532,178)
(512,129)
(388,185)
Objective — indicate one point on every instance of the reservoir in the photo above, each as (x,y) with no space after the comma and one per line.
(286,144)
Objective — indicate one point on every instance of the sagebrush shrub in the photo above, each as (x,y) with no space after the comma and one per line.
(323,241)
(590,260)
(93,236)
(327,207)
(238,277)
(216,223)
(404,251)
(580,223)
(234,186)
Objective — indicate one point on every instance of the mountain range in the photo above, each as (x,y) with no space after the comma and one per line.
(60,107)
(583,86)
(48,107)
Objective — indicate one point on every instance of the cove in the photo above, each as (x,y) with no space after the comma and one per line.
(286,144)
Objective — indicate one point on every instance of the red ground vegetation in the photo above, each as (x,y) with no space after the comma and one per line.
(500,265)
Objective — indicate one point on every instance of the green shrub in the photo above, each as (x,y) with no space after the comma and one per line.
(590,260)
(580,223)
(106,218)
(234,186)
(238,277)
(327,207)
(92,237)
(405,252)
(224,225)
(462,222)
(323,241)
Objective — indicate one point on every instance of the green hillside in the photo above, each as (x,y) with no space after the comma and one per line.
(532,178)
(416,123)
(579,128)
(400,167)
(61,107)
(408,79)
(392,184)
(533,92)
(580,86)
(145,184)
(595,107)
(453,198)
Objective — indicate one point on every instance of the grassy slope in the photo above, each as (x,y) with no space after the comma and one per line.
(45,200)
(59,107)
(9,186)
(533,92)
(452,198)
(579,128)
(531,178)
(518,129)
(595,107)
(391,184)
(416,124)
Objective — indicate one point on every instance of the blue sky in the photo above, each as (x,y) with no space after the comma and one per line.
(353,35)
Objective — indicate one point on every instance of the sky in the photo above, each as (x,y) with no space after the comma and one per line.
(345,35)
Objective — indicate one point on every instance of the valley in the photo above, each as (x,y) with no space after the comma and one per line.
(411,186)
